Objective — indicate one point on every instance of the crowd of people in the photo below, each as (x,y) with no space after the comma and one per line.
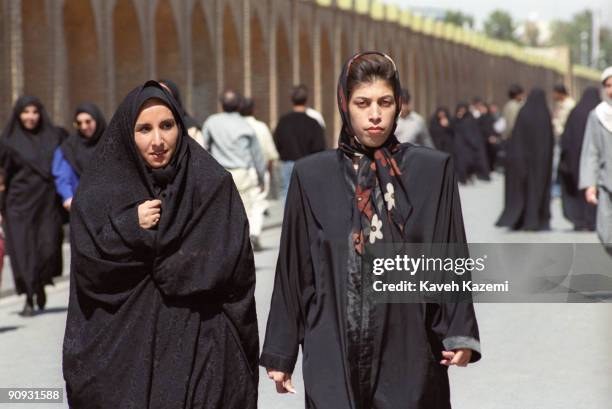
(165,214)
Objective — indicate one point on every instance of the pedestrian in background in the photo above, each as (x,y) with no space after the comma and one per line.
(76,153)
(596,162)
(528,165)
(296,135)
(260,203)
(575,207)
(233,143)
(411,127)
(32,208)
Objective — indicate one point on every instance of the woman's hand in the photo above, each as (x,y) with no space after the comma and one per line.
(590,195)
(149,213)
(67,204)
(459,357)
(282,380)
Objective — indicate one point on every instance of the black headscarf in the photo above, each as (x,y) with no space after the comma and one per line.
(78,149)
(35,146)
(377,167)
(190,121)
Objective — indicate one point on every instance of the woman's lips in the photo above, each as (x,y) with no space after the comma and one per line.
(375,130)
(159,155)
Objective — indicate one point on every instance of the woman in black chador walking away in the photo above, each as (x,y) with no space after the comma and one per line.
(469,146)
(161,311)
(575,207)
(31,208)
(528,167)
(359,354)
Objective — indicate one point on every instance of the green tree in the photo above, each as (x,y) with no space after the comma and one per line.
(576,34)
(500,25)
(605,44)
(459,19)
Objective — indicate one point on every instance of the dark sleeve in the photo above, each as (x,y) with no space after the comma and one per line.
(109,261)
(285,329)
(318,138)
(453,322)
(278,135)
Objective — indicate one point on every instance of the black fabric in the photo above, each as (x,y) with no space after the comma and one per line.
(575,207)
(190,122)
(469,148)
(486,124)
(310,301)
(359,354)
(297,135)
(529,167)
(442,136)
(30,206)
(78,149)
(165,317)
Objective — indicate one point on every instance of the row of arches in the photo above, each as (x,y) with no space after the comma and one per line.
(110,47)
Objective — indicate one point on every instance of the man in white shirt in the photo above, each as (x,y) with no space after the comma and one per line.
(410,126)
(268,148)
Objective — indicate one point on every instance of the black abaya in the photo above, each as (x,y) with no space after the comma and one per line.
(575,207)
(528,167)
(486,123)
(442,136)
(469,148)
(357,353)
(165,317)
(309,303)
(31,207)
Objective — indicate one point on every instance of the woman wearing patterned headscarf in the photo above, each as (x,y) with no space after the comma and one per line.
(341,204)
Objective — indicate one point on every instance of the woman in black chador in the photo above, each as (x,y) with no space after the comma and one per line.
(528,167)
(31,208)
(359,354)
(441,130)
(469,146)
(575,207)
(161,311)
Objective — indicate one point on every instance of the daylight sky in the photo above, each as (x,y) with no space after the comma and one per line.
(520,9)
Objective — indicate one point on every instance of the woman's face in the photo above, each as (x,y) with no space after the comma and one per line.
(608,87)
(156,133)
(29,117)
(372,112)
(86,124)
(461,112)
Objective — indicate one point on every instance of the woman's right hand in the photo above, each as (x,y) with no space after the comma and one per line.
(590,195)
(149,213)
(282,380)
